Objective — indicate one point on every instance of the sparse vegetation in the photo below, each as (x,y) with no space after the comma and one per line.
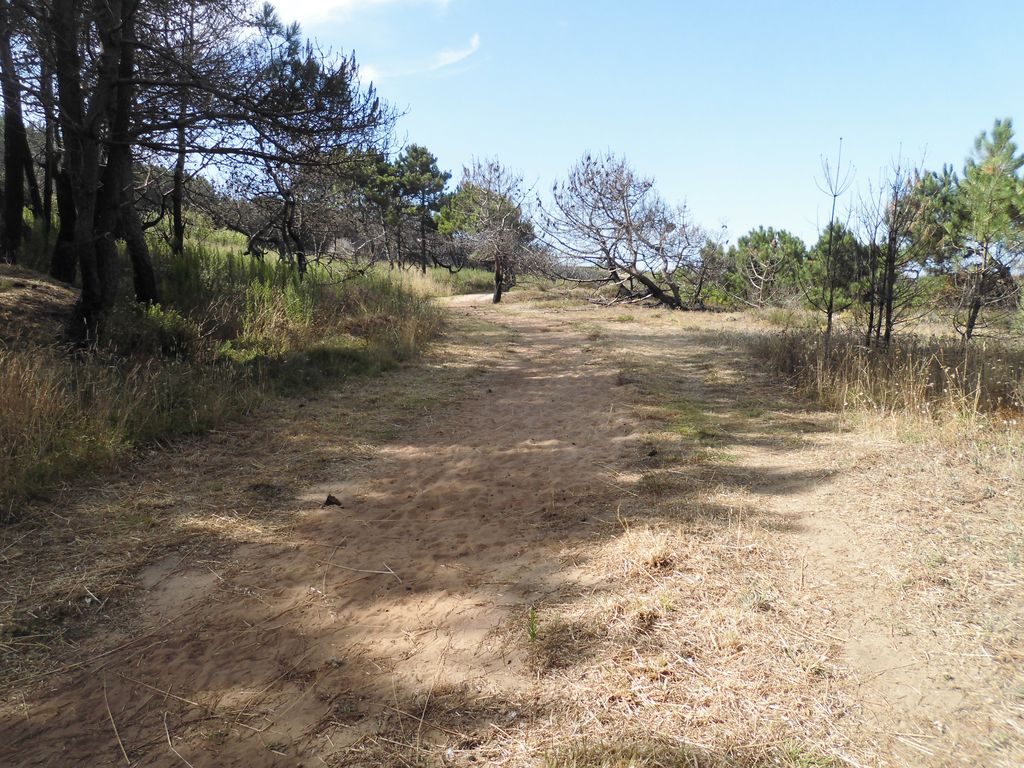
(275,485)
(931,378)
(238,330)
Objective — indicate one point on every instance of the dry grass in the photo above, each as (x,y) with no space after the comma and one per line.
(162,374)
(700,645)
(689,637)
(71,563)
(681,657)
(61,418)
(923,377)
(683,644)
(684,633)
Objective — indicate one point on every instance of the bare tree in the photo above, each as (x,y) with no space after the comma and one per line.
(609,218)
(824,288)
(893,255)
(488,214)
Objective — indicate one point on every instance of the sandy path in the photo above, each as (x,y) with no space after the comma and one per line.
(823,628)
(287,651)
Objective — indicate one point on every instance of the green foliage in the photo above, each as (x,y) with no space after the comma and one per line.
(936,196)
(768,264)
(151,331)
(832,271)
(485,217)
(37,250)
(532,624)
(457,213)
(473,210)
(233,331)
(420,180)
(465,280)
(991,195)
(973,227)
(1018,322)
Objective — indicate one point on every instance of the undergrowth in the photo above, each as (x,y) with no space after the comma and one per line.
(232,330)
(930,377)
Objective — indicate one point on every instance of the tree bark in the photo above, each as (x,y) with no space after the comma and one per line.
(121,163)
(80,129)
(63,263)
(178,190)
(889,283)
(49,152)
(972,317)
(423,234)
(499,278)
(16,153)
(34,196)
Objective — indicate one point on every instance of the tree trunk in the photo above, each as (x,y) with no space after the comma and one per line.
(656,291)
(499,279)
(423,234)
(62,262)
(106,233)
(16,152)
(79,129)
(35,198)
(889,287)
(291,230)
(698,290)
(622,292)
(49,155)
(830,309)
(872,291)
(972,317)
(143,274)
(124,219)
(398,242)
(178,190)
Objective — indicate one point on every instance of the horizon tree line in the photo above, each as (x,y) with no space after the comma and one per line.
(124,118)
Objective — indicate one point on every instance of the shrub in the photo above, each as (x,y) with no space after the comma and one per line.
(152,331)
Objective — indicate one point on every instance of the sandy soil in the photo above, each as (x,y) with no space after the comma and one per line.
(414,587)
(286,650)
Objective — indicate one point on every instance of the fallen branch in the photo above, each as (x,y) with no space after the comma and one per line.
(110,714)
(388,572)
(169,744)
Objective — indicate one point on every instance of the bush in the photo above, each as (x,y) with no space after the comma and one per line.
(151,331)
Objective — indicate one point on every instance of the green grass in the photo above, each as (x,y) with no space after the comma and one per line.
(652,752)
(468,280)
(690,419)
(233,331)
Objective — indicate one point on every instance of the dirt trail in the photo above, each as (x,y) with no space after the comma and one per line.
(285,651)
(415,587)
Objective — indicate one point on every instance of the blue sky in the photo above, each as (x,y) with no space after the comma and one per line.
(730,106)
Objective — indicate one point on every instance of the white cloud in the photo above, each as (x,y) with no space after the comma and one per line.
(314,11)
(369,73)
(447,58)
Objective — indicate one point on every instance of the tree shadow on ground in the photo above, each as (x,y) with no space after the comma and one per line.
(294,652)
